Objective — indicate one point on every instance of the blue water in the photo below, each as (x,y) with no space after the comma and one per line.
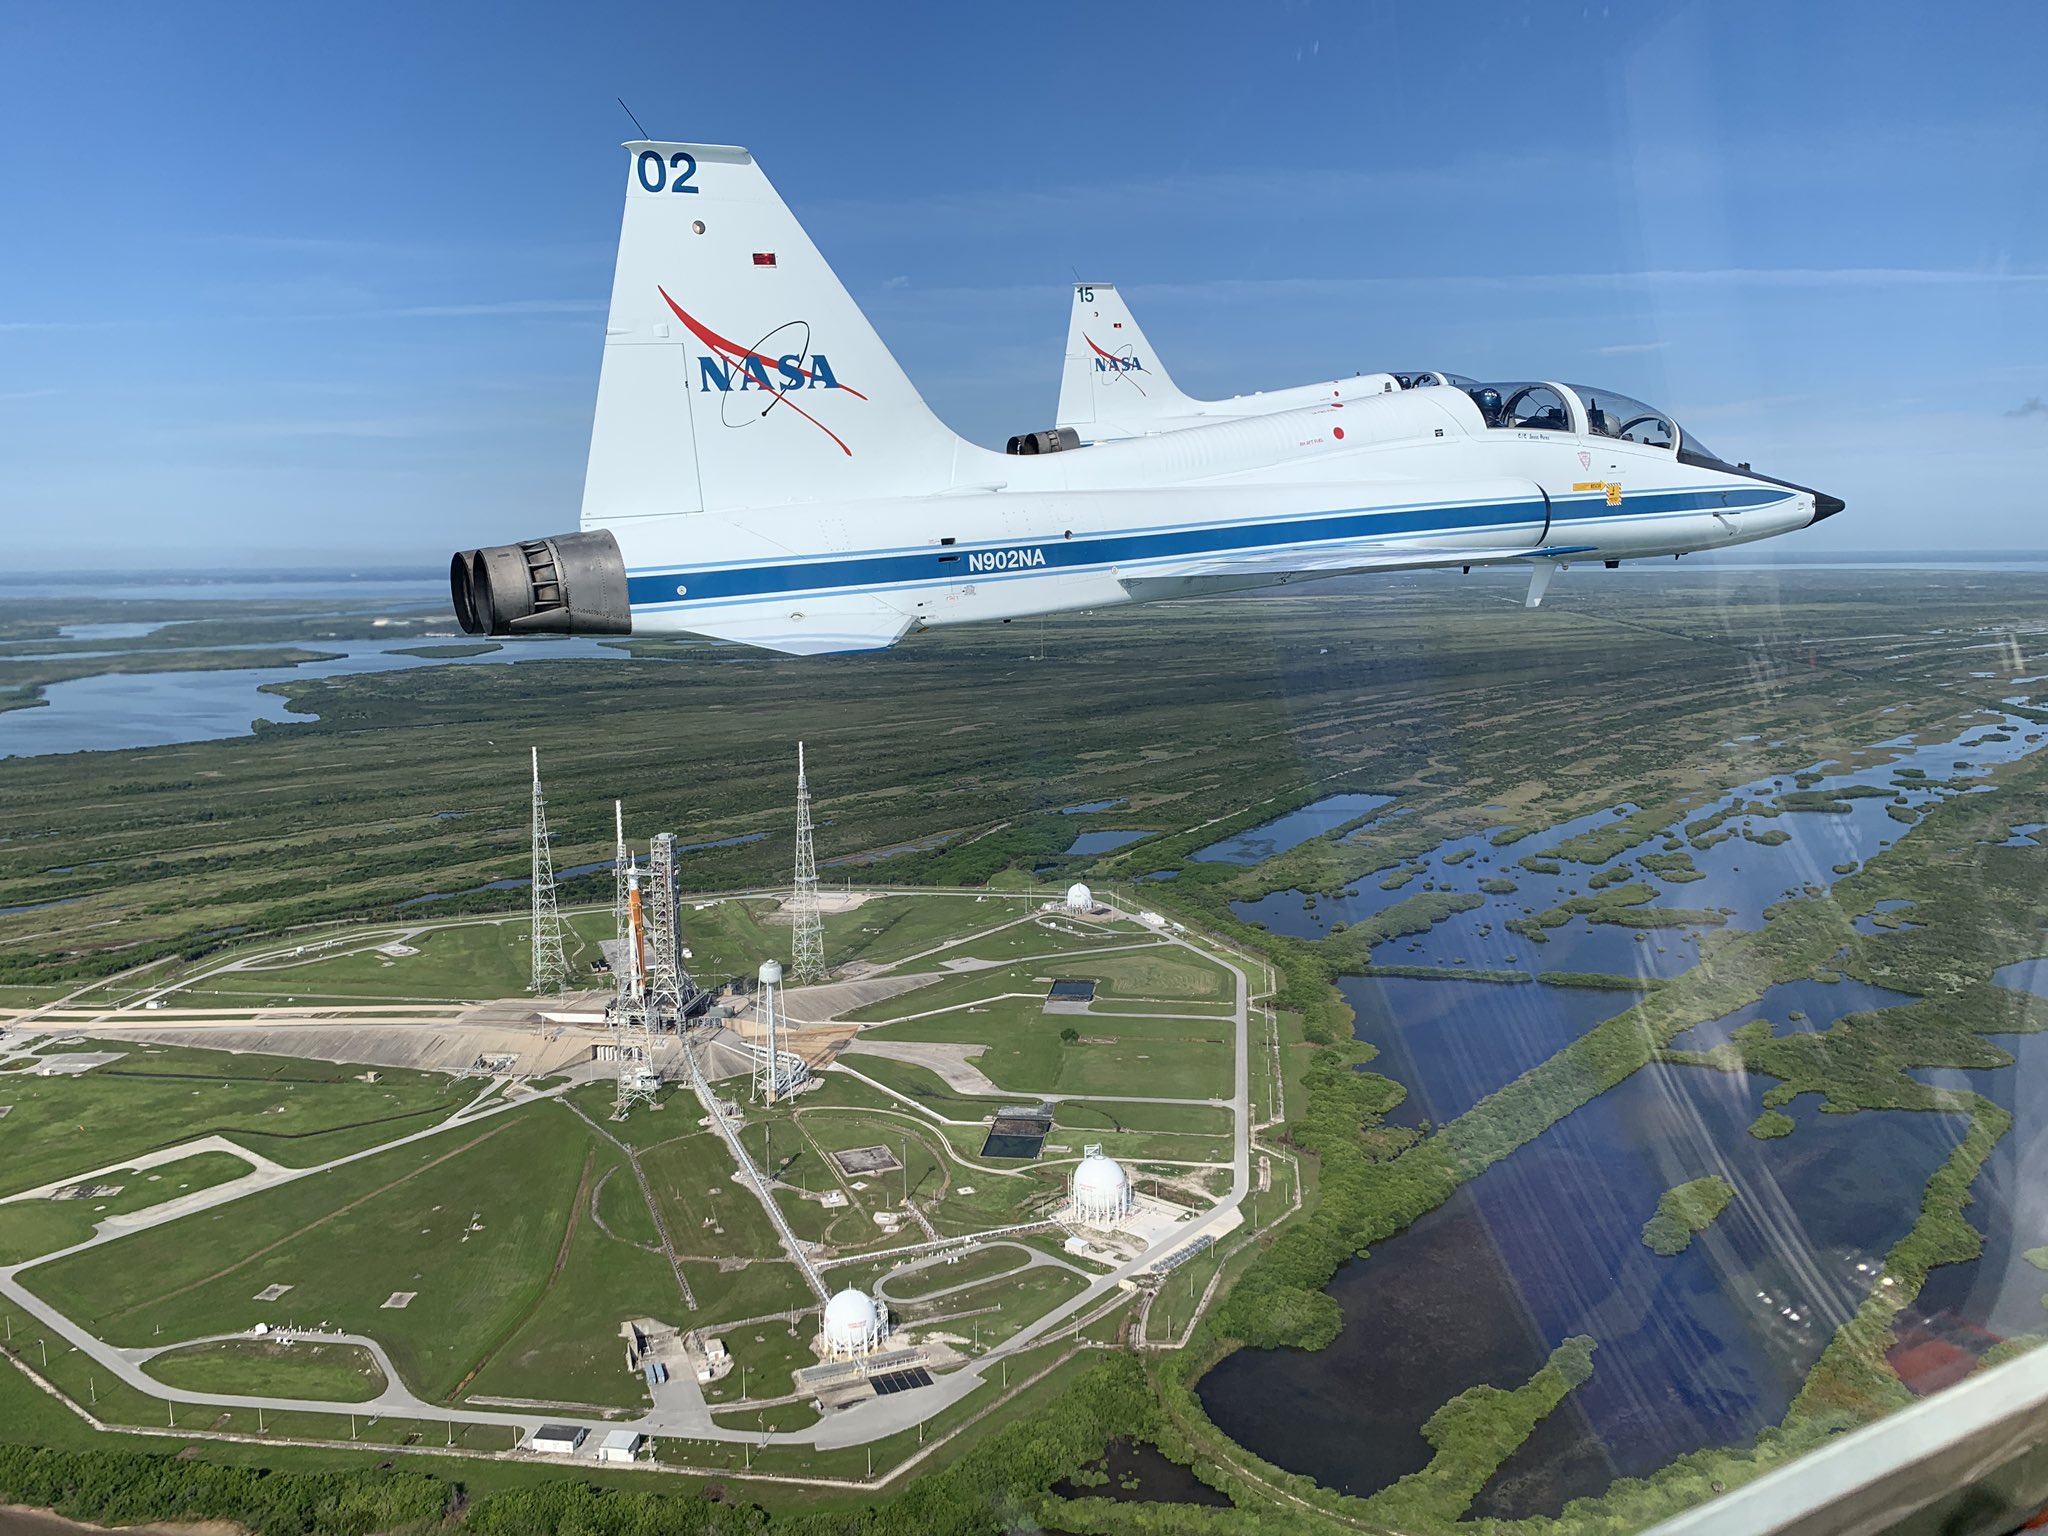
(1821,1003)
(1868,925)
(2002,1292)
(1290,831)
(37,906)
(1089,808)
(1737,877)
(1104,842)
(206,587)
(116,710)
(1451,1043)
(2024,976)
(2023,835)
(111,631)
(1548,1243)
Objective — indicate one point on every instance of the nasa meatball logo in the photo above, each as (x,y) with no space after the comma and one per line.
(779,365)
(1117,365)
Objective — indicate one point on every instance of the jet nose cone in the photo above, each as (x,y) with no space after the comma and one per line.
(1826,506)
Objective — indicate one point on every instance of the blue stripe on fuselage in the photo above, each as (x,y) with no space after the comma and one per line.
(931,564)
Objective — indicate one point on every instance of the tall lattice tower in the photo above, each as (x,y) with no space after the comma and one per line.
(550,966)
(666,981)
(632,1032)
(619,867)
(807,947)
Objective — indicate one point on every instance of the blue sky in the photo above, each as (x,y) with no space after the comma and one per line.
(284,283)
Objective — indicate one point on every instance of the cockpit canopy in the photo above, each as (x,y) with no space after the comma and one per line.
(1584,408)
(1611,415)
(1427,378)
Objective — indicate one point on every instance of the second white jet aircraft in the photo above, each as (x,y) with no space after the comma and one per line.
(1113,385)
(762,471)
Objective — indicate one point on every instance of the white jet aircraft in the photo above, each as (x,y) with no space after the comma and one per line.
(1113,384)
(762,471)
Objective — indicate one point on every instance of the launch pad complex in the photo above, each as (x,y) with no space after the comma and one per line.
(790,1173)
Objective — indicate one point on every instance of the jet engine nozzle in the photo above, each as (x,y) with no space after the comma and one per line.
(571,584)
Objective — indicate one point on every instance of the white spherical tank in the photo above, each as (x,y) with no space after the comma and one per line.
(854,1323)
(1102,1190)
(771,973)
(1080,898)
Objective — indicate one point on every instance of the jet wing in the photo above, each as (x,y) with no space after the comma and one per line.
(1276,567)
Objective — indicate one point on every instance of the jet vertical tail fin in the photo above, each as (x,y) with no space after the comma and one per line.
(1112,375)
(738,371)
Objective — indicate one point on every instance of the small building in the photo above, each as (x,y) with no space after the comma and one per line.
(558,1439)
(621,1445)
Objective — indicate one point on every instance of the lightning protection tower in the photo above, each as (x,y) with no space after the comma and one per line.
(550,967)
(667,984)
(807,947)
(619,867)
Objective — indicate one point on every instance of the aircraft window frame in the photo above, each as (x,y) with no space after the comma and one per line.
(1514,394)
(1623,413)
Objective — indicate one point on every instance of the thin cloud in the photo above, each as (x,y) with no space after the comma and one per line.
(2034,405)
(40,394)
(1627,348)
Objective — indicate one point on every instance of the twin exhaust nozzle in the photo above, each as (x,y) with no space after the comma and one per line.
(571,584)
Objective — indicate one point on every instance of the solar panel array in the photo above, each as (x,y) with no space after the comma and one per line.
(887,1382)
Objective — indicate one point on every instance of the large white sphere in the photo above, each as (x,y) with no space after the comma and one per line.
(771,973)
(1080,898)
(1102,1190)
(853,1322)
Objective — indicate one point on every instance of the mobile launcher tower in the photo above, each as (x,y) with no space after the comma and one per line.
(655,995)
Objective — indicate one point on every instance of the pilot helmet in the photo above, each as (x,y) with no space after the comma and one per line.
(1488,401)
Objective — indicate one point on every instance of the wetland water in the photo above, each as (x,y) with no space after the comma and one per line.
(1548,1243)
(2002,1292)
(1703,1348)
(154,709)
(1747,861)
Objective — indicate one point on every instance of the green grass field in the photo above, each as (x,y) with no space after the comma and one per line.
(710,1214)
(568,1347)
(471,1220)
(292,1111)
(886,929)
(342,1373)
(31,1228)
(473,961)
(1149,971)
(978,1264)
(1115,1054)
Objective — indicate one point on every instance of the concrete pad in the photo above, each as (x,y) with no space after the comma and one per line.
(950,1062)
(831,1000)
(423,1045)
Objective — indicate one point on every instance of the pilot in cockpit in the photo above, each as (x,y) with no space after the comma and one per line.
(1488,401)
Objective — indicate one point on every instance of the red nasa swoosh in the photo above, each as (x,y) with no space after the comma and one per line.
(733,352)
